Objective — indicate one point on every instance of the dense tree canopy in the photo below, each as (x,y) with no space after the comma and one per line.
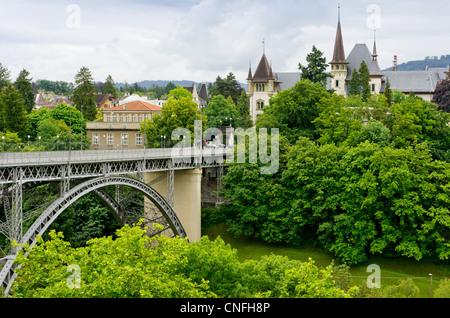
(220,112)
(178,112)
(126,267)
(293,110)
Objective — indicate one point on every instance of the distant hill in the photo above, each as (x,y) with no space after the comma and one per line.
(160,83)
(429,61)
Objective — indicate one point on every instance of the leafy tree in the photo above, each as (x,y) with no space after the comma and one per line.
(352,201)
(443,290)
(57,87)
(375,132)
(405,289)
(50,127)
(219,111)
(84,94)
(11,141)
(125,267)
(23,85)
(442,95)
(178,112)
(340,118)
(315,70)
(293,110)
(354,191)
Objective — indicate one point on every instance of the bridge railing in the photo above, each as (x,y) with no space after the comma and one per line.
(55,157)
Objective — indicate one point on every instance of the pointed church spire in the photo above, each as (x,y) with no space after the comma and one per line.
(250,76)
(339,54)
(374,54)
(374,67)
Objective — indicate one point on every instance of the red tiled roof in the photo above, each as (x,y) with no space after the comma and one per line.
(134,106)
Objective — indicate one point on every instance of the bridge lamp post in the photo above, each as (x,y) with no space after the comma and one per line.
(28,142)
(57,142)
(3,138)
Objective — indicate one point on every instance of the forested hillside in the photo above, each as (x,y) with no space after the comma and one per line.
(420,65)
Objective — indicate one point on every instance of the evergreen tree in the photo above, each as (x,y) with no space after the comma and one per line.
(4,76)
(315,70)
(360,82)
(364,79)
(12,111)
(388,93)
(25,88)
(228,86)
(109,87)
(243,108)
(84,94)
(354,86)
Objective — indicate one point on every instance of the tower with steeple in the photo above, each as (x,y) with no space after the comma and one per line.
(375,71)
(339,64)
(262,85)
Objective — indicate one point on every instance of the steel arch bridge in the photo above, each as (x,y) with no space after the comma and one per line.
(81,173)
(7,275)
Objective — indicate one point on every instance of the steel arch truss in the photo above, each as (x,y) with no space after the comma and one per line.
(38,228)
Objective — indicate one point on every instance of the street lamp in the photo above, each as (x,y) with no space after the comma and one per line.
(28,142)
(39,143)
(57,142)
(431,286)
(3,137)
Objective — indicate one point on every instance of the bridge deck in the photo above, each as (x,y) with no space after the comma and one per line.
(57,165)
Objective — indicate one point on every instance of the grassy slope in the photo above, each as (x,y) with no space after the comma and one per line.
(391,269)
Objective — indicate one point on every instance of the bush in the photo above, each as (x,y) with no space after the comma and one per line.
(405,289)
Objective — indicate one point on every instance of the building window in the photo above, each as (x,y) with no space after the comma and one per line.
(139,118)
(114,118)
(139,139)
(373,87)
(133,118)
(337,83)
(127,118)
(95,139)
(110,139)
(125,139)
(120,118)
(108,117)
(259,105)
(342,67)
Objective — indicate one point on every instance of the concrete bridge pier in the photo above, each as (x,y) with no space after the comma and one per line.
(186,197)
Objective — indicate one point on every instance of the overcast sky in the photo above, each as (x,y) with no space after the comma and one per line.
(199,40)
